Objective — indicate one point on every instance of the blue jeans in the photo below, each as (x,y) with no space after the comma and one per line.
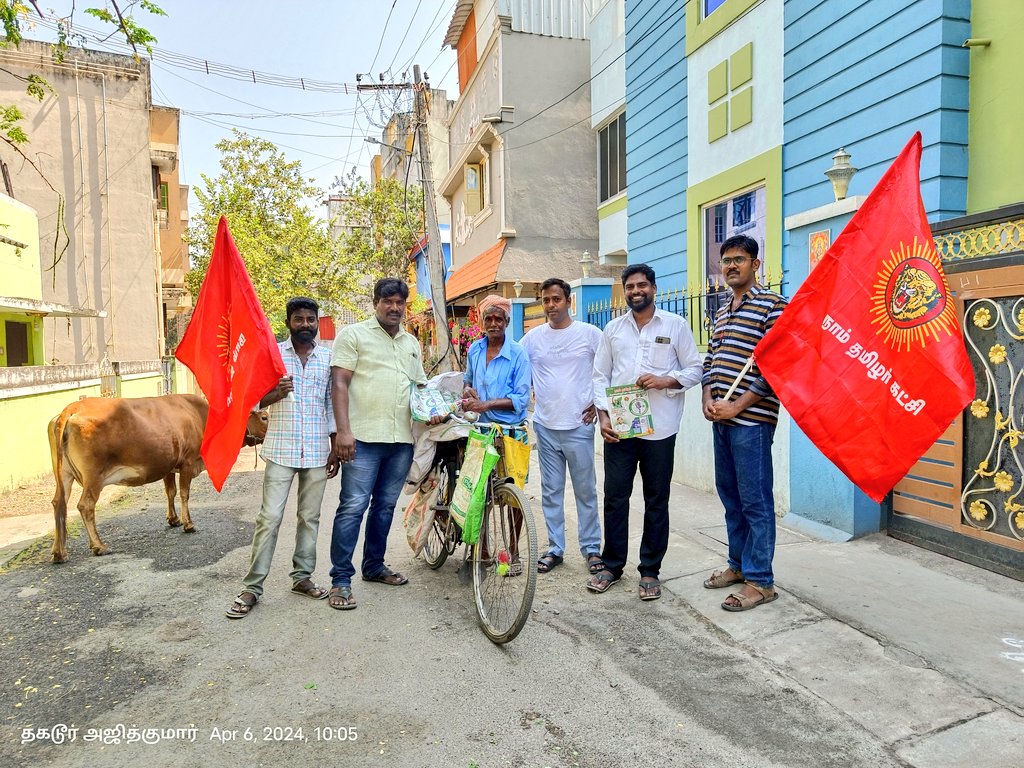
(277,482)
(374,480)
(557,449)
(743,477)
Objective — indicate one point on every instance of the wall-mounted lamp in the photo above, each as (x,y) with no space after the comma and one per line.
(976,42)
(840,173)
(517,286)
(586,261)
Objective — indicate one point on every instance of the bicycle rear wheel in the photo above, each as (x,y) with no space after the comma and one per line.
(436,549)
(504,570)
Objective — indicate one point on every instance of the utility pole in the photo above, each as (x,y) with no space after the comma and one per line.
(435,251)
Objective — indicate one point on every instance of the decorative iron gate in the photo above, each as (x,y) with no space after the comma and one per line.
(965,497)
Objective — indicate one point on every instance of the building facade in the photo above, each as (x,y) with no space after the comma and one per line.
(736,108)
(91,181)
(80,292)
(522,177)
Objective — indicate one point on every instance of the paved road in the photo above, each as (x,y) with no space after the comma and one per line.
(139,639)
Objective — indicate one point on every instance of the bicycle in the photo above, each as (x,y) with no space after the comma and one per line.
(504,575)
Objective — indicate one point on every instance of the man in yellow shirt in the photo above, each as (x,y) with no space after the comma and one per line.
(375,365)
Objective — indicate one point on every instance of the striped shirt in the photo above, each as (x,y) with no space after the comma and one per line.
(300,425)
(733,340)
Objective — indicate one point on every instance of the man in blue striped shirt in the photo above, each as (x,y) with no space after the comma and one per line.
(744,427)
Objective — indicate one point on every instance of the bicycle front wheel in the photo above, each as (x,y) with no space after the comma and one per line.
(504,564)
(436,550)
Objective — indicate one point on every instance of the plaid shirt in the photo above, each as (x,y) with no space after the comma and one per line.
(732,341)
(300,425)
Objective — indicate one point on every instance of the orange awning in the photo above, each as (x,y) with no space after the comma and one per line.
(480,271)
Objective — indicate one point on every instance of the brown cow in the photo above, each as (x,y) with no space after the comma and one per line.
(101,441)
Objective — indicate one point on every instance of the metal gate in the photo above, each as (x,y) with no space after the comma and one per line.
(965,497)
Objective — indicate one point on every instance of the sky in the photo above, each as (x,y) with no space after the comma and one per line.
(326,41)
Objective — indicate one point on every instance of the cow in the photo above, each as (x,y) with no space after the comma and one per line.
(100,441)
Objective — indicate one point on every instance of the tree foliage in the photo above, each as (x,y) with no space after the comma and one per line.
(287,250)
(391,218)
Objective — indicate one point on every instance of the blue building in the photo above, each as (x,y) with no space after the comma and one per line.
(734,109)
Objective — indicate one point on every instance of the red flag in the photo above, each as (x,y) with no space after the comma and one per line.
(230,348)
(868,358)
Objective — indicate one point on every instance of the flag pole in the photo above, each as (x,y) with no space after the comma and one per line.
(739,377)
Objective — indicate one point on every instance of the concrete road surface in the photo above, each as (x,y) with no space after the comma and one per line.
(133,650)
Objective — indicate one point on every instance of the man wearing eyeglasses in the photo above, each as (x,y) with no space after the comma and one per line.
(744,427)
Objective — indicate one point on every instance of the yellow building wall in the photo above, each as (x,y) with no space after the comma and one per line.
(19,266)
(150,386)
(24,445)
(184,382)
(996,164)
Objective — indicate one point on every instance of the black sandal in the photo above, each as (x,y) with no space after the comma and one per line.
(594,563)
(548,562)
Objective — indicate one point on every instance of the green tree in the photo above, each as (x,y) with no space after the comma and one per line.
(391,215)
(287,250)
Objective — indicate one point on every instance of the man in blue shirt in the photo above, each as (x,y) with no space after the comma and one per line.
(497,383)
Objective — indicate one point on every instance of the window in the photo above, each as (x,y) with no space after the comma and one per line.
(710,6)
(161,205)
(475,177)
(741,214)
(742,211)
(720,223)
(611,159)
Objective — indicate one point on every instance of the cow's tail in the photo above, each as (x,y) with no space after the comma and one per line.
(55,432)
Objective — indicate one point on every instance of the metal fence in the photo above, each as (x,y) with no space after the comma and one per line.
(703,305)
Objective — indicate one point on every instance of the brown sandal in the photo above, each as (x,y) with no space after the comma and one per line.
(244,603)
(746,602)
(307,588)
(725,578)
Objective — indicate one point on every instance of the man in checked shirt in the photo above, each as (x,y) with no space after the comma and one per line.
(744,426)
(299,441)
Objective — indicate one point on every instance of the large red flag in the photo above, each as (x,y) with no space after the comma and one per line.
(868,358)
(230,348)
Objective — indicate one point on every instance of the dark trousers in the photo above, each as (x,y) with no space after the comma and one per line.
(655,458)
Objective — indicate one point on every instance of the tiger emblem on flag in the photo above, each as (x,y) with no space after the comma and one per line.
(914,294)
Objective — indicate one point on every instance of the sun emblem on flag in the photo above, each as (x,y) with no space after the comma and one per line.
(911,299)
(224,340)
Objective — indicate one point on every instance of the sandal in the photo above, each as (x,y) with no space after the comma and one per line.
(594,563)
(307,588)
(548,562)
(746,602)
(650,589)
(515,568)
(725,578)
(341,598)
(389,577)
(602,581)
(244,603)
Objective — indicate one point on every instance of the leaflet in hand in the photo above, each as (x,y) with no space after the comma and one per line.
(629,408)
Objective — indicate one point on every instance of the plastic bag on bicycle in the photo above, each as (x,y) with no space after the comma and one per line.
(515,450)
(471,488)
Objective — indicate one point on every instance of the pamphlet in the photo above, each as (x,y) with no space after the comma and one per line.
(630,411)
